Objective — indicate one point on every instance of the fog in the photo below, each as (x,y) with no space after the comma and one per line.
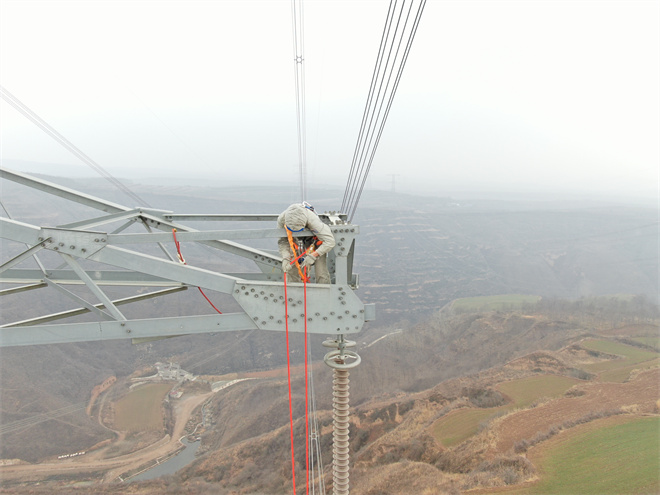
(508,97)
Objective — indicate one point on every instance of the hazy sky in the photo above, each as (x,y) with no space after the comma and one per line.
(534,94)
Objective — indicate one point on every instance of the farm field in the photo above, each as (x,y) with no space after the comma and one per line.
(140,409)
(602,459)
(459,425)
(488,303)
(618,370)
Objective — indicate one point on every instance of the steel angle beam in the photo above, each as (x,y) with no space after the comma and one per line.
(61,191)
(100,277)
(113,330)
(185,274)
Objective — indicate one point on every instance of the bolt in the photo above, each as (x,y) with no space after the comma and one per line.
(84,250)
(72,247)
(251,290)
(61,244)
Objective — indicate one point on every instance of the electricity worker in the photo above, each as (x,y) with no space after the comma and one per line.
(296,218)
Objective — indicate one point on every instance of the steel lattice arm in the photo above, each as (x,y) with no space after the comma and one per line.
(119,260)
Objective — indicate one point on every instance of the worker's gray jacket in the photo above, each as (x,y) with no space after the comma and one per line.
(296,217)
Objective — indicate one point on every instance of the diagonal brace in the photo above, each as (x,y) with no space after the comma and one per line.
(112,309)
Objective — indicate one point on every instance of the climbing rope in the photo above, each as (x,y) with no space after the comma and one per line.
(288,374)
(288,370)
(181,260)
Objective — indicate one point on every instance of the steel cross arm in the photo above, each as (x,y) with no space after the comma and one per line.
(206,235)
(157,267)
(106,219)
(61,191)
(231,247)
(103,277)
(112,330)
(195,217)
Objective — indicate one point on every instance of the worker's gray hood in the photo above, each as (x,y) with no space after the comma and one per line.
(295,217)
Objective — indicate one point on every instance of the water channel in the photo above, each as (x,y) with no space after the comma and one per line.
(173,464)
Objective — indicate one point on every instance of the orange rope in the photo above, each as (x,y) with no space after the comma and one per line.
(288,372)
(306,391)
(178,252)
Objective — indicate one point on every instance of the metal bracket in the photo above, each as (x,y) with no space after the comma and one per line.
(331,309)
(78,243)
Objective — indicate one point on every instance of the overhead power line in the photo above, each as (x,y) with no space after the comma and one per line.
(48,129)
(299,73)
(396,41)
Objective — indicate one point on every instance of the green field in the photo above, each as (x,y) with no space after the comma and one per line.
(140,409)
(460,425)
(618,370)
(525,391)
(619,459)
(503,301)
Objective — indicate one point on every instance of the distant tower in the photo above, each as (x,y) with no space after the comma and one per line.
(394,176)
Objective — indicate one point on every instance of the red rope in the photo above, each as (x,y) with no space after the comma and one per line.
(306,389)
(288,372)
(178,252)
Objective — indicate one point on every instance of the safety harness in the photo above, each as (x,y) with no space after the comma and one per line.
(299,252)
